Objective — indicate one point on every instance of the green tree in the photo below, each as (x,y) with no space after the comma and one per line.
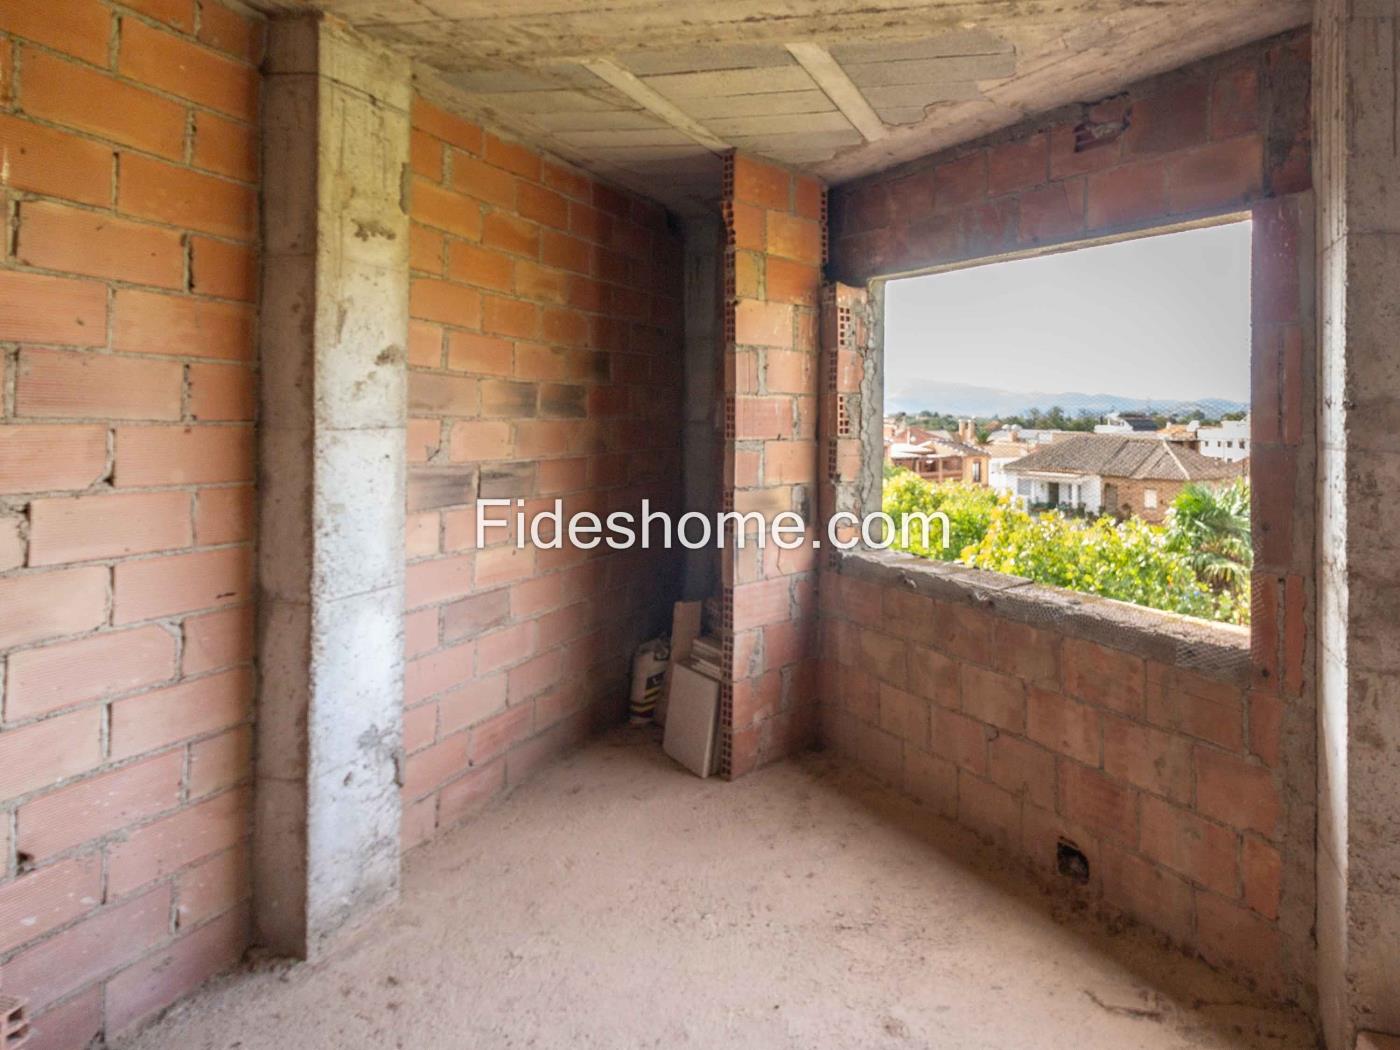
(969,509)
(1210,526)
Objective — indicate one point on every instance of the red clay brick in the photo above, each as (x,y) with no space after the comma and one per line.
(212,886)
(1265,727)
(218,639)
(960,740)
(138,993)
(424,345)
(483,181)
(765,185)
(1231,790)
(218,268)
(175,841)
(39,309)
(86,528)
(425,155)
(1127,195)
(1106,677)
(511,234)
(56,164)
(60,238)
(41,755)
(78,1022)
(1022,769)
(1234,105)
(191,709)
(220,761)
(81,954)
(510,317)
(512,157)
(226,147)
(435,394)
(177,13)
(231,32)
(94,102)
(496,735)
(33,904)
(446,126)
(808,197)
(988,810)
(441,579)
(446,303)
(1262,870)
(1173,120)
(759,323)
(1198,849)
(479,266)
(1149,758)
(794,238)
(960,182)
(77,385)
(152,189)
(994,698)
(446,210)
(176,455)
(35,606)
(1236,938)
(1019,165)
(1219,175)
(81,28)
(1053,213)
(177,583)
(100,805)
(1104,806)
(1147,893)
(541,205)
(428,769)
(165,61)
(148,323)
(224,515)
(221,393)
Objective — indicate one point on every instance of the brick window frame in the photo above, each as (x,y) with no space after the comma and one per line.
(1225,138)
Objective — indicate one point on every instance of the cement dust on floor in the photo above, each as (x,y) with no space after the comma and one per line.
(616,901)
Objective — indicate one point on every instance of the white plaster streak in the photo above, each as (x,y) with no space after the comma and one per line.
(649,99)
(842,91)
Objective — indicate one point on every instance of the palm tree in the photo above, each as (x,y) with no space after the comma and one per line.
(1211,527)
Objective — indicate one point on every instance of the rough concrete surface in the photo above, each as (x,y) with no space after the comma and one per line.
(616,901)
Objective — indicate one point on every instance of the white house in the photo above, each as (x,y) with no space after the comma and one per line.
(1229,441)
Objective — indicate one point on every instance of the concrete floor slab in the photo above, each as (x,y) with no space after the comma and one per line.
(617,901)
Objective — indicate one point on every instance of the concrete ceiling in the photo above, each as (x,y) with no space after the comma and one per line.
(649,92)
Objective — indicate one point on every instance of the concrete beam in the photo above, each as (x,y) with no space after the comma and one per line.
(832,79)
(331,483)
(650,99)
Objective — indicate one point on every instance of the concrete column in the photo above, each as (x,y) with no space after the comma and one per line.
(331,482)
(699,438)
(1357,175)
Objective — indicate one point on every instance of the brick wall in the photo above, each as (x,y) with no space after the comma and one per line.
(1190,786)
(545,362)
(775,245)
(129,134)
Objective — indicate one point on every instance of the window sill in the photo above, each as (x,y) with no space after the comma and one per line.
(1216,650)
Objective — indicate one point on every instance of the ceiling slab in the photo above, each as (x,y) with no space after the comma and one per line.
(649,93)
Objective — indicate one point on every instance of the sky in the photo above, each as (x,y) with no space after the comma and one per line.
(1165,316)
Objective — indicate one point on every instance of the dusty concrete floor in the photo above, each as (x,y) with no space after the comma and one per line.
(616,901)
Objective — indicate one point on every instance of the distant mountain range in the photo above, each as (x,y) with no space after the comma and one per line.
(963,399)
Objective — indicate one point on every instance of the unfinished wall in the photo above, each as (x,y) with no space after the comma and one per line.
(774,248)
(1358,244)
(129,137)
(1178,761)
(546,360)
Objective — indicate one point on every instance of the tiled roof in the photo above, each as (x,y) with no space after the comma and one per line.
(1111,455)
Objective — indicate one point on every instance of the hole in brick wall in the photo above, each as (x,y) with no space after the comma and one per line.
(1071,862)
(1077,406)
